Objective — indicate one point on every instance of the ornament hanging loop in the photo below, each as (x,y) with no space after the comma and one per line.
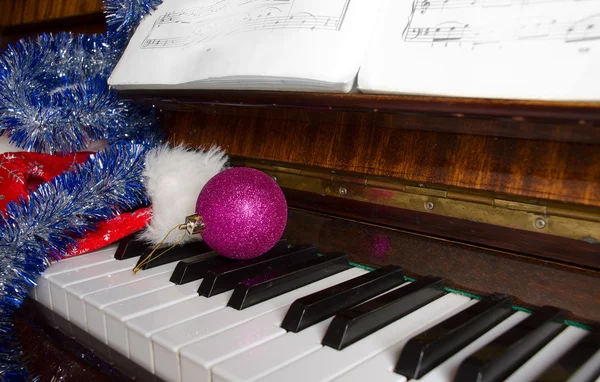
(149,258)
(193,225)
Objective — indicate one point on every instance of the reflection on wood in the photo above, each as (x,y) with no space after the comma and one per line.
(533,283)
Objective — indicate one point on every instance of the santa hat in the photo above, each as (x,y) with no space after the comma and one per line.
(172,178)
(21,173)
(71,177)
(56,206)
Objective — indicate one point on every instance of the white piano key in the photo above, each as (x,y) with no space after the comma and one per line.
(81,336)
(48,315)
(118,313)
(168,342)
(198,358)
(60,282)
(33,293)
(63,325)
(98,256)
(77,292)
(446,371)
(140,329)
(549,354)
(264,359)
(381,367)
(42,292)
(588,370)
(327,363)
(274,354)
(101,349)
(95,303)
(65,265)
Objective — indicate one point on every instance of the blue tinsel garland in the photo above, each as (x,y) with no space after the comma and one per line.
(45,225)
(123,16)
(54,98)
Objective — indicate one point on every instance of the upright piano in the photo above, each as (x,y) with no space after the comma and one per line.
(428,238)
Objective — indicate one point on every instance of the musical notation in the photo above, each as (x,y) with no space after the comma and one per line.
(481,22)
(584,30)
(226,17)
(424,6)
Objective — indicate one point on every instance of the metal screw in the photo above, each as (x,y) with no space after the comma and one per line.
(343,191)
(540,223)
(274,178)
(429,205)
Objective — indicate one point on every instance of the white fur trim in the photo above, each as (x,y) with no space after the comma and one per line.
(174,176)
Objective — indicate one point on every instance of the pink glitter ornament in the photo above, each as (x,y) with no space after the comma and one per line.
(244,213)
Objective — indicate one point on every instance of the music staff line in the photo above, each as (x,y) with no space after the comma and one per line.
(216,7)
(266,7)
(465,33)
(190,14)
(429,5)
(210,30)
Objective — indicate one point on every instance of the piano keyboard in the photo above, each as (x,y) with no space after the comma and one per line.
(296,315)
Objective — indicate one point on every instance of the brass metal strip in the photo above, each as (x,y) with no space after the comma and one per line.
(569,221)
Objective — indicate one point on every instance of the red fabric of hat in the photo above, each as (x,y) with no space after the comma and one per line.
(22,172)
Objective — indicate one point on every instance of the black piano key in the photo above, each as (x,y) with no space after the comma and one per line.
(432,347)
(316,307)
(180,252)
(130,247)
(354,324)
(226,278)
(196,267)
(268,285)
(505,354)
(573,365)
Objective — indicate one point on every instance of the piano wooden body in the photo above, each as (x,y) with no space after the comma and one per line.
(489,195)
(493,196)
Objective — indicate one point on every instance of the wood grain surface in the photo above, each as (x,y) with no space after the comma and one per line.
(87,24)
(532,282)
(15,12)
(542,169)
(33,17)
(520,110)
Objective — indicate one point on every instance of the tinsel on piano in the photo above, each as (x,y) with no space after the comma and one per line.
(74,161)
(83,169)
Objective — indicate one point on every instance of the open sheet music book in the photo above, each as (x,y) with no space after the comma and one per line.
(296,45)
(513,49)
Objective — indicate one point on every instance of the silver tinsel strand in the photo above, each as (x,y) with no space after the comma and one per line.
(44,226)
(54,98)
(123,16)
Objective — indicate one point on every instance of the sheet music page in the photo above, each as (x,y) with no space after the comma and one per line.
(279,44)
(513,49)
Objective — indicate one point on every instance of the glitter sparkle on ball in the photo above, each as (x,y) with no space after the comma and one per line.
(244,213)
